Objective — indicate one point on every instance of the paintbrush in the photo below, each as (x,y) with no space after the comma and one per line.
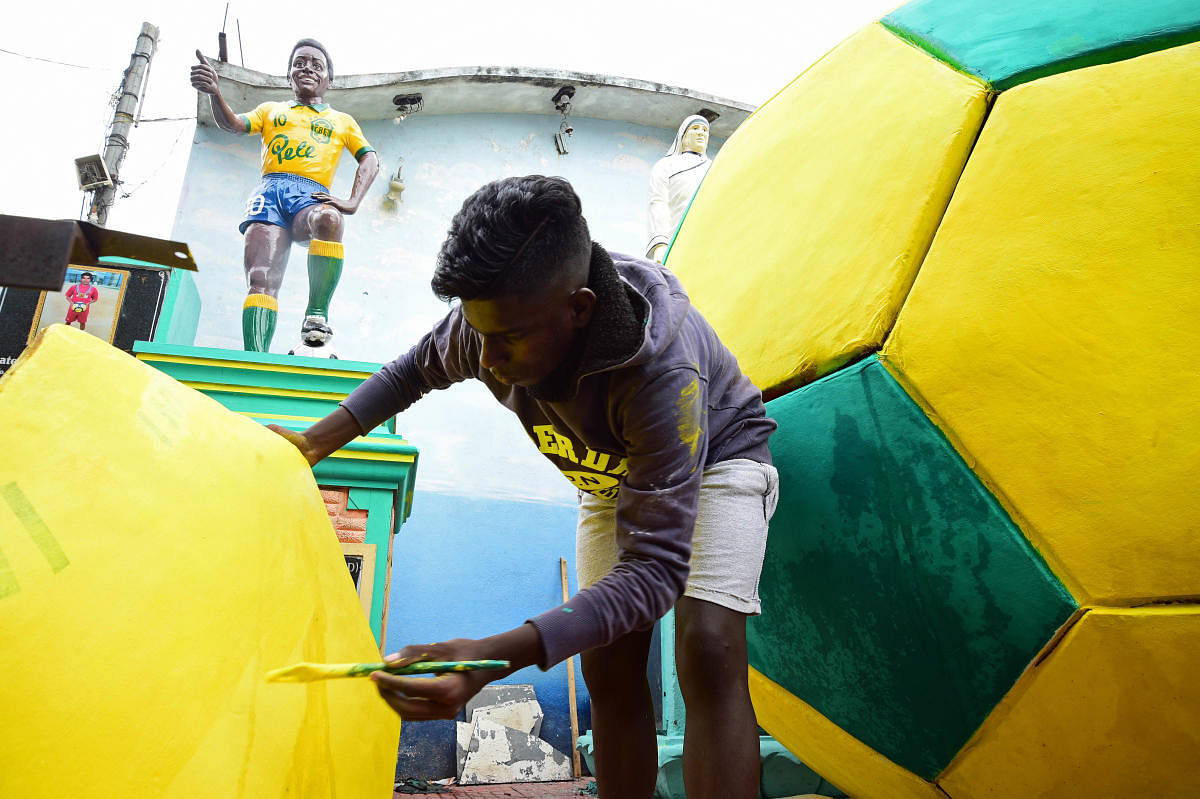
(309,672)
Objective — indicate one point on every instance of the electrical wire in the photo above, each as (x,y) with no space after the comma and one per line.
(158,168)
(60,63)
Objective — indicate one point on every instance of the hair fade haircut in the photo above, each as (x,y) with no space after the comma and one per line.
(317,45)
(511,237)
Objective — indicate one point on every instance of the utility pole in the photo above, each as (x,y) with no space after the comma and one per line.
(117,143)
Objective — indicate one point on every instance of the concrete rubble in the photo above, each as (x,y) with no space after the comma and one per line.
(499,742)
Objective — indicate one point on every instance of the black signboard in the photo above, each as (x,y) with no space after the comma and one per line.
(136,317)
(355,564)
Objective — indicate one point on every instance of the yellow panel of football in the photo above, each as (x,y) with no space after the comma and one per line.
(1112,711)
(832,752)
(807,231)
(158,555)
(1052,329)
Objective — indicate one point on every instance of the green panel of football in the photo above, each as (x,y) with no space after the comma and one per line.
(899,599)
(1017,41)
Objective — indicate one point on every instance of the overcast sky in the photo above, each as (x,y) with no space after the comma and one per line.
(743,51)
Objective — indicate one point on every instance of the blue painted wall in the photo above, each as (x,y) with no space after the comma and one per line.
(490,516)
(468,567)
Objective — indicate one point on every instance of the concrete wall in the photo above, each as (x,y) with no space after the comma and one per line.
(490,516)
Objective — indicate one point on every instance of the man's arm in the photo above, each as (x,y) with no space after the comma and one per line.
(438,360)
(204,79)
(669,452)
(662,422)
(368,168)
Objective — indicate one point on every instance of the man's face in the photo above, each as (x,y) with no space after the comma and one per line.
(85,280)
(695,138)
(524,338)
(309,74)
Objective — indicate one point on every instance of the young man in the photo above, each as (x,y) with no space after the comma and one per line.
(302,144)
(622,384)
(80,297)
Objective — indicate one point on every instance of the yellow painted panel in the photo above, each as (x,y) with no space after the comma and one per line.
(1113,711)
(230,388)
(829,750)
(1053,327)
(249,366)
(806,234)
(362,455)
(158,555)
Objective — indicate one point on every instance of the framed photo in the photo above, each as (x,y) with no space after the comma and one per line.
(90,299)
(360,560)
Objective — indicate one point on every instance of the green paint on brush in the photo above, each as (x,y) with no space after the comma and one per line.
(309,672)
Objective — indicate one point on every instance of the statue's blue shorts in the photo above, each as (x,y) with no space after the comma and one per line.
(278,198)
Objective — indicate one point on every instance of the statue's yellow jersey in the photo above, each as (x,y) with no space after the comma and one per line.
(305,140)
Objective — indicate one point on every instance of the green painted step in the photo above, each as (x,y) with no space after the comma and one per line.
(1016,41)
(899,599)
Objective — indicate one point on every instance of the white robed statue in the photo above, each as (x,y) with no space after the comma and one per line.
(673,182)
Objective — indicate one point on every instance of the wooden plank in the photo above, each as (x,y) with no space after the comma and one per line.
(577,769)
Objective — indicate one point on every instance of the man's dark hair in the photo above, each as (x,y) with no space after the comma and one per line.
(511,237)
(82,275)
(311,43)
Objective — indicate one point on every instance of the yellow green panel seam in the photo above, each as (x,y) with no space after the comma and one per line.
(1056,565)
(829,750)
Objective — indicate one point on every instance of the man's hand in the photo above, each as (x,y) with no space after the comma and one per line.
(323,438)
(440,697)
(347,207)
(444,696)
(204,77)
(299,440)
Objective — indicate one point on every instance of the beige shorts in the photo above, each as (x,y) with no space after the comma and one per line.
(737,499)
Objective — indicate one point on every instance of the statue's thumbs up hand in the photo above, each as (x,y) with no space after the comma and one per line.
(204,77)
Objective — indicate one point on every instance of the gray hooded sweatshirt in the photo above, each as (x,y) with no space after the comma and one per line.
(648,398)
